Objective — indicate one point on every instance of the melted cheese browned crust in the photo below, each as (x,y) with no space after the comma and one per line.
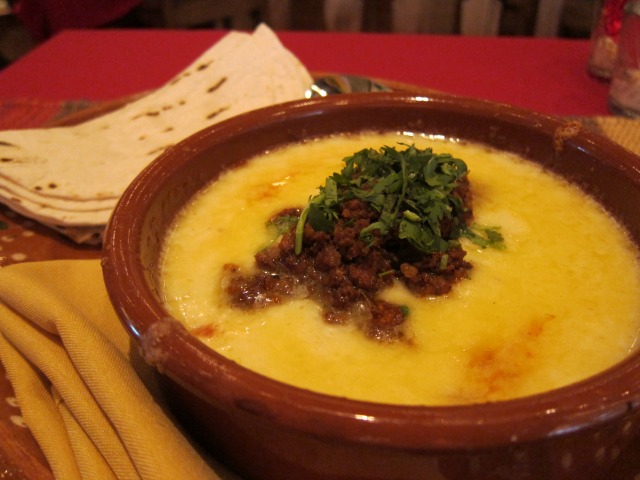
(561,303)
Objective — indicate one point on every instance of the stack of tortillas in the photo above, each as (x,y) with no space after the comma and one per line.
(70,178)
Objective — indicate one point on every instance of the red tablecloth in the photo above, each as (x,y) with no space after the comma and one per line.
(547,75)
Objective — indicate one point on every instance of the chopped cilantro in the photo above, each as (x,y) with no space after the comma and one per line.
(484,236)
(277,226)
(282,224)
(413,191)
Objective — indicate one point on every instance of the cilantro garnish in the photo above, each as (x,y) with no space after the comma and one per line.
(484,236)
(414,191)
(282,223)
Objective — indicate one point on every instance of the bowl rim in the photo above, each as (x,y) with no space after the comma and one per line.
(611,394)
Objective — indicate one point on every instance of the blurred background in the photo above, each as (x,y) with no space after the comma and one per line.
(25,23)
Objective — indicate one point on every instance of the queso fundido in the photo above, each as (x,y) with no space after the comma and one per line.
(557,304)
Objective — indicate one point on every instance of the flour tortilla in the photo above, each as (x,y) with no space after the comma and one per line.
(70,178)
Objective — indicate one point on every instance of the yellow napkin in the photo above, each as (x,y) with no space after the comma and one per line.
(90,401)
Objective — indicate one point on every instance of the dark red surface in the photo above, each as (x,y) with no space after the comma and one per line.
(542,74)
(42,18)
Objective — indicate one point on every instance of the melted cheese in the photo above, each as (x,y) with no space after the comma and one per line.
(561,303)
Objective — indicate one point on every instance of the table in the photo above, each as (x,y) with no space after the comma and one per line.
(546,75)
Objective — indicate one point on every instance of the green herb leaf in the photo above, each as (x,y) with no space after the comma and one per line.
(413,190)
(300,230)
(282,224)
(484,236)
(318,220)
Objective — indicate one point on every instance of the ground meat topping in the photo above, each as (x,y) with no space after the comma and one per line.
(345,258)
(343,274)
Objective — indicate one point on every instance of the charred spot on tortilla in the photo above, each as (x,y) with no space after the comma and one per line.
(152,113)
(203,66)
(7,144)
(168,129)
(217,85)
(6,159)
(216,113)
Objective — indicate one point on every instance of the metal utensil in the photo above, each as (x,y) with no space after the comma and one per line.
(334,84)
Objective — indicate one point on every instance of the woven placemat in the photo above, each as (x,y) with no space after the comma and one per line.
(625,131)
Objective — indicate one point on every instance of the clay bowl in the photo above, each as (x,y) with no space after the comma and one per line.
(265,429)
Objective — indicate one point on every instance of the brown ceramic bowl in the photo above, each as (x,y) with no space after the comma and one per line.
(265,429)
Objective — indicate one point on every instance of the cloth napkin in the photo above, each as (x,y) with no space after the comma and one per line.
(89,399)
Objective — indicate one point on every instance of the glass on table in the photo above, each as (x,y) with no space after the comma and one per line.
(624,92)
(604,38)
